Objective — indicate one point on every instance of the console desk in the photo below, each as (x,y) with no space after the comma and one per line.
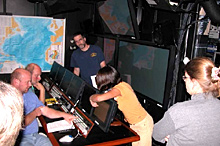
(118,134)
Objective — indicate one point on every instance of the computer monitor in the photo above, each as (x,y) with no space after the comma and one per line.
(60,74)
(109,50)
(85,104)
(121,20)
(53,71)
(148,69)
(64,84)
(104,114)
(108,44)
(75,88)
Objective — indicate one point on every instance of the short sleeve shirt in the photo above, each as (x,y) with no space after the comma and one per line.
(129,105)
(88,62)
(31,102)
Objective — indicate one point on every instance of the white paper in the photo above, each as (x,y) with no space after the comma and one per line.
(59,126)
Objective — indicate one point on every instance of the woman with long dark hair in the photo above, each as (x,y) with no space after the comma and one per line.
(108,79)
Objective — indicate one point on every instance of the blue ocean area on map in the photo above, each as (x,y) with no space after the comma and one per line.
(33,42)
(59,39)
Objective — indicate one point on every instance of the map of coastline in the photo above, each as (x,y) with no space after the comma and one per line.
(25,40)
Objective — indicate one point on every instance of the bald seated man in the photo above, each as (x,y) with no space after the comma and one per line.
(35,71)
(33,107)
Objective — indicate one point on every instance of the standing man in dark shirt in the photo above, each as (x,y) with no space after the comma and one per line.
(86,60)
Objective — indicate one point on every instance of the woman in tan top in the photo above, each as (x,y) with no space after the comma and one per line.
(138,118)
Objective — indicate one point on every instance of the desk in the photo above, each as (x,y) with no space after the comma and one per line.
(117,135)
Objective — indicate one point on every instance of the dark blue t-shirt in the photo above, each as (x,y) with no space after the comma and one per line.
(88,62)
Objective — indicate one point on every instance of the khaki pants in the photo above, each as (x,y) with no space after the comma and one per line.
(144,129)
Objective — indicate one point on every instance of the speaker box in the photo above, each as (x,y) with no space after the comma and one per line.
(163,33)
(54,7)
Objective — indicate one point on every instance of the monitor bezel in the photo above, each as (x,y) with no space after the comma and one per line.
(51,70)
(60,73)
(75,99)
(61,83)
(132,14)
(169,74)
(80,99)
(100,41)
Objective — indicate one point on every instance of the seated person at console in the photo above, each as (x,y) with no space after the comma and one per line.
(11,109)
(194,122)
(35,71)
(33,107)
(108,78)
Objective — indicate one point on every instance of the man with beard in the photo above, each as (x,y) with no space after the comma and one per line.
(36,87)
(86,60)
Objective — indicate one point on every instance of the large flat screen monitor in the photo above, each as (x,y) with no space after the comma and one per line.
(85,104)
(53,71)
(104,114)
(147,68)
(108,44)
(66,80)
(109,50)
(117,17)
(75,89)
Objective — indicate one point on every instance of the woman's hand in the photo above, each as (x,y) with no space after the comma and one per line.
(92,100)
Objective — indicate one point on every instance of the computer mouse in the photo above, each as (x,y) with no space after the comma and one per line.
(66,138)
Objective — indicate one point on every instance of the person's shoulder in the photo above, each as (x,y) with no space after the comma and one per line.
(29,94)
(76,52)
(122,85)
(95,47)
(184,107)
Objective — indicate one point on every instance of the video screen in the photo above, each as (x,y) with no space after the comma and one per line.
(60,74)
(75,88)
(66,80)
(101,111)
(84,99)
(119,19)
(104,114)
(109,49)
(145,68)
(53,71)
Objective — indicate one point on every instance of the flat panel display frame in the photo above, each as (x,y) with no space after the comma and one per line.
(121,20)
(84,102)
(147,68)
(104,114)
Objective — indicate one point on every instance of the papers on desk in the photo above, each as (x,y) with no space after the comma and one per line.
(59,126)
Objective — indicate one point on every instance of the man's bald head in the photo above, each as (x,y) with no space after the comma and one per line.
(35,71)
(21,79)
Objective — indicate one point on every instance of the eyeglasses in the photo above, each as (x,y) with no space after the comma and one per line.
(184,77)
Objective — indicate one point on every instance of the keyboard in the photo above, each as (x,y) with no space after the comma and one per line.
(55,93)
(82,123)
